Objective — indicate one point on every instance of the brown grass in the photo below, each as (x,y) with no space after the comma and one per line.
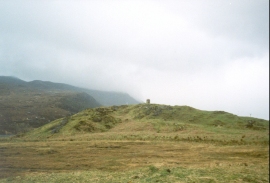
(20,158)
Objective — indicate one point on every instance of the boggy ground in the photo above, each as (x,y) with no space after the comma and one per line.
(19,159)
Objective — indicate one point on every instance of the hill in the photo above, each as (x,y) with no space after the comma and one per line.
(27,105)
(147,118)
(105,98)
(140,143)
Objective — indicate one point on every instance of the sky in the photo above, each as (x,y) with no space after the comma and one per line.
(210,55)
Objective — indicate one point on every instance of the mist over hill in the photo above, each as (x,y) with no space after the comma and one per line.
(105,98)
(26,105)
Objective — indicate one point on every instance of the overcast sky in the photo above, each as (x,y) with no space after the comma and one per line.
(207,54)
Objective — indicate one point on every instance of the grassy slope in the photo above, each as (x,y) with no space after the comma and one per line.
(142,118)
(141,143)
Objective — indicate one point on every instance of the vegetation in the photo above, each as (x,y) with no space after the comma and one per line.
(140,143)
(28,105)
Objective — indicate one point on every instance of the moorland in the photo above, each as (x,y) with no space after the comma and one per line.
(27,105)
(140,143)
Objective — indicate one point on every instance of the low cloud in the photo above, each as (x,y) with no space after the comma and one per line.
(206,54)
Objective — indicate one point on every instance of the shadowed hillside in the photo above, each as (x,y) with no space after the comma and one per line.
(27,105)
(23,110)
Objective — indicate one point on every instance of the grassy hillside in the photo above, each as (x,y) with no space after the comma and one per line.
(179,121)
(140,143)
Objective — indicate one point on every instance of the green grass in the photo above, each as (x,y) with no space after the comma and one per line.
(157,122)
(151,174)
(144,143)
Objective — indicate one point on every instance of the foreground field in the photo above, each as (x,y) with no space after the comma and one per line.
(137,150)
(96,160)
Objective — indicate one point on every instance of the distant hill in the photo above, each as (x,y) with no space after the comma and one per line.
(112,98)
(105,98)
(26,105)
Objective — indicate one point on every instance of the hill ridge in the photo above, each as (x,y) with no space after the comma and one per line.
(158,118)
